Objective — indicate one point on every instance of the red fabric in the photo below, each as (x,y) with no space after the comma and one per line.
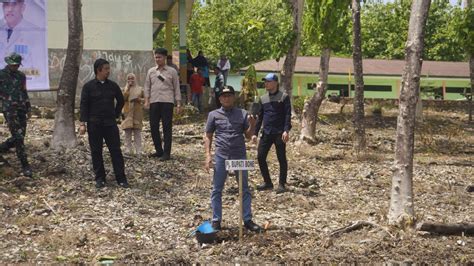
(197,81)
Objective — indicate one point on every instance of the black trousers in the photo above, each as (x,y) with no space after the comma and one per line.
(161,112)
(97,134)
(266,142)
(218,103)
(16,121)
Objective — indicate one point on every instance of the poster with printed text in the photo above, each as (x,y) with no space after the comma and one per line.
(23,30)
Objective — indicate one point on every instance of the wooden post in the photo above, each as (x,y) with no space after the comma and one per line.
(397,89)
(444,90)
(183,73)
(299,85)
(241,207)
(169,32)
(349,84)
(240,165)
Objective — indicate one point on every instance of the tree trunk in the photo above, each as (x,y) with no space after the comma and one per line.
(419,110)
(468,5)
(311,106)
(290,60)
(359,124)
(64,135)
(470,94)
(401,201)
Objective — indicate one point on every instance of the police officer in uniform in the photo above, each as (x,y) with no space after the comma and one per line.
(16,108)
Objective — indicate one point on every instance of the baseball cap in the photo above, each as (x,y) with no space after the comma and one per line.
(13,59)
(227,89)
(271,77)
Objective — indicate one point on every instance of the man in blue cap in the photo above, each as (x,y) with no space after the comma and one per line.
(16,108)
(229,124)
(275,116)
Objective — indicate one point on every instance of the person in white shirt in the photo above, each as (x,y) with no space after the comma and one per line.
(224,65)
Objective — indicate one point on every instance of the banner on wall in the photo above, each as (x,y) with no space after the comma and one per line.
(23,30)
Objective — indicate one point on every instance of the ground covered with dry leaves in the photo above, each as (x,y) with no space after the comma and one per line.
(59,216)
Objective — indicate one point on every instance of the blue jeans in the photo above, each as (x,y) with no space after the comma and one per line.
(197,100)
(220,175)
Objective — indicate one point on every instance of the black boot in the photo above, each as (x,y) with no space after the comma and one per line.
(251,226)
(124,184)
(216,225)
(265,186)
(26,170)
(281,189)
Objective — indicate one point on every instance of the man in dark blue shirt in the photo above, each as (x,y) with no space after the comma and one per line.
(99,111)
(275,115)
(229,124)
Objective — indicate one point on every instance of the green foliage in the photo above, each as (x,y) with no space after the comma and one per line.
(441,43)
(464,26)
(326,23)
(249,86)
(251,74)
(247,31)
(298,104)
(160,39)
(385,29)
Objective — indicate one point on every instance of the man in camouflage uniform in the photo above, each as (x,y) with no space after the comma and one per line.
(16,108)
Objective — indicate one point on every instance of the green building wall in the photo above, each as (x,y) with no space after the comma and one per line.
(430,86)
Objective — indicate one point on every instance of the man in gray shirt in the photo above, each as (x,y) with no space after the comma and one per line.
(229,124)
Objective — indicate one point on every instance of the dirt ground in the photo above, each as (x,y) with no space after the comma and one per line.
(59,216)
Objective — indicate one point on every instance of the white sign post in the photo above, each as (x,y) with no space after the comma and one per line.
(240,165)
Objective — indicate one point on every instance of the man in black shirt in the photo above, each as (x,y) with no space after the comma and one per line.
(275,120)
(99,111)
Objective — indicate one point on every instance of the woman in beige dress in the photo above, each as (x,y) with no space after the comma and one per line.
(133,112)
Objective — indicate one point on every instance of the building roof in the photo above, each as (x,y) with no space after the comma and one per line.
(378,67)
